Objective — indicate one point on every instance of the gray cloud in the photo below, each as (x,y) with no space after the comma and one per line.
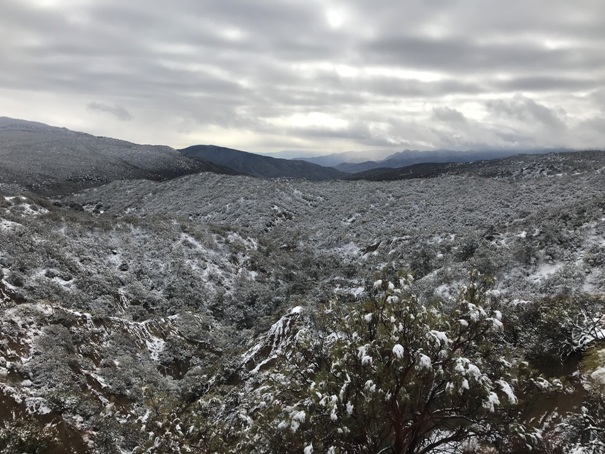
(118,112)
(256,74)
(526,110)
(448,115)
(599,98)
(538,84)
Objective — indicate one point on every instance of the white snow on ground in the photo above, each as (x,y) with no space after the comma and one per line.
(41,276)
(5,224)
(353,291)
(441,238)
(352,218)
(276,339)
(155,345)
(448,291)
(37,405)
(599,375)
(20,204)
(99,379)
(349,250)
(544,271)
(357,291)
(249,243)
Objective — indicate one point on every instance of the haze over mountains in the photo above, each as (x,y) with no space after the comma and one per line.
(411,157)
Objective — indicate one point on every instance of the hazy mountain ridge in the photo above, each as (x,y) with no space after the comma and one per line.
(347,157)
(412,157)
(563,163)
(47,159)
(261,166)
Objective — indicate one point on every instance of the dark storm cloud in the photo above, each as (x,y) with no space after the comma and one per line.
(382,73)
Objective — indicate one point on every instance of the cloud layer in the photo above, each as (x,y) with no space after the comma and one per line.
(321,75)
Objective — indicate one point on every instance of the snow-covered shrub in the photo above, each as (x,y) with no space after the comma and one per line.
(392,374)
(551,329)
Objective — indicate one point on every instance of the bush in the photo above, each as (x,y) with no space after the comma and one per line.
(392,374)
(551,329)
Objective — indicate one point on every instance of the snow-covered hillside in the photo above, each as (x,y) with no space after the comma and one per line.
(48,159)
(124,303)
(531,230)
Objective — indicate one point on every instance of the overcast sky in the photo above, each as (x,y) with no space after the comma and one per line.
(314,75)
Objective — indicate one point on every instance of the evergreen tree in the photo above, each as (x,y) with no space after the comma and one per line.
(393,374)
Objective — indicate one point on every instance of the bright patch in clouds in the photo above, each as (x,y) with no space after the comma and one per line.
(311,119)
(336,17)
(404,73)
(46,3)
(233,34)
(346,71)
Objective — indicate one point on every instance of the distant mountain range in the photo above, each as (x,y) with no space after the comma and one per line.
(519,165)
(52,160)
(261,166)
(333,159)
(411,157)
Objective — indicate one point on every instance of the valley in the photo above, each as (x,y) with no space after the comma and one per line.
(147,316)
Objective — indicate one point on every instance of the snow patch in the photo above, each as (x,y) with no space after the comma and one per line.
(491,402)
(544,271)
(398,350)
(508,390)
(348,251)
(37,405)
(448,291)
(155,345)
(5,224)
(424,362)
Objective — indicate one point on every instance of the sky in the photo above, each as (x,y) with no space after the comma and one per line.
(315,76)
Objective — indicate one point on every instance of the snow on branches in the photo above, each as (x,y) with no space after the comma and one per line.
(394,372)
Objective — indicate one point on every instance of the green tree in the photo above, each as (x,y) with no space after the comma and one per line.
(392,374)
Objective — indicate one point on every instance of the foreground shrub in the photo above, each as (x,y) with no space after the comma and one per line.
(393,374)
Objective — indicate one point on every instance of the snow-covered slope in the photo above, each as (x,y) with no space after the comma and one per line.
(46,159)
(136,296)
